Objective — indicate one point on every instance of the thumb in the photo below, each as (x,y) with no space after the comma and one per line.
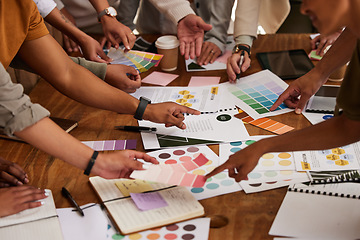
(203,25)
(301,104)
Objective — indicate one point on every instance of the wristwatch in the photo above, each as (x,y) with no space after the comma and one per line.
(239,48)
(110,11)
(141,108)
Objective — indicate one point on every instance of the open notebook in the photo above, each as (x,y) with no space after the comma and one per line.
(181,205)
(39,223)
(328,211)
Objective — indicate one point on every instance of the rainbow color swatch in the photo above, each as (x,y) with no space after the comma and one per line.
(141,61)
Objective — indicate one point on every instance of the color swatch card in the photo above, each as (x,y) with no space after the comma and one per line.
(141,61)
(217,185)
(174,174)
(257,93)
(192,229)
(159,78)
(204,99)
(108,145)
(216,127)
(341,158)
(197,81)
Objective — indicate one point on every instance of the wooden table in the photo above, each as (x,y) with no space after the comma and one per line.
(250,216)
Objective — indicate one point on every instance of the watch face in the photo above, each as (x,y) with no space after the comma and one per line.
(111,11)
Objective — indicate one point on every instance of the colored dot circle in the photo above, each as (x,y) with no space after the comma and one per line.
(188,236)
(209,162)
(223,117)
(235,143)
(179,152)
(227,182)
(209,169)
(285,163)
(270,174)
(199,172)
(170,236)
(170,161)
(135,236)
(271,182)
(286,172)
(197,190)
(153,236)
(164,155)
(220,176)
(172,227)
(326,117)
(284,155)
(235,149)
(192,149)
(209,180)
(185,158)
(268,156)
(268,163)
(254,175)
(248,142)
(189,227)
(117,236)
(212,186)
(255,184)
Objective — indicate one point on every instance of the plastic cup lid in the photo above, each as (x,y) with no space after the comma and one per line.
(167,42)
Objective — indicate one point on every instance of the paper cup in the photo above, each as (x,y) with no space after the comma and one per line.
(169,47)
(338,75)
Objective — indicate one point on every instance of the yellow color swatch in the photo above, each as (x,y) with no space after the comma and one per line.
(133,186)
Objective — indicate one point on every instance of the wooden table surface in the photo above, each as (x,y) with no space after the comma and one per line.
(250,216)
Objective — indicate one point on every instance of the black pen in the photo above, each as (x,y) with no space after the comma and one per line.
(66,194)
(136,128)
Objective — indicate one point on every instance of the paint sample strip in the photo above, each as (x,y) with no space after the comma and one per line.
(109,145)
(264,123)
(174,174)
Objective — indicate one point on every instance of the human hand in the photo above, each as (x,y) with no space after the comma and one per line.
(321,42)
(232,66)
(92,50)
(17,199)
(209,52)
(241,163)
(123,77)
(190,31)
(116,32)
(169,113)
(120,164)
(11,174)
(299,91)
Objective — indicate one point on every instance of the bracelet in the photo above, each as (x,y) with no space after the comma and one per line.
(239,48)
(91,163)
(141,108)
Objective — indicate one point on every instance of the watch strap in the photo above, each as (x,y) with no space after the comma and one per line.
(239,48)
(141,108)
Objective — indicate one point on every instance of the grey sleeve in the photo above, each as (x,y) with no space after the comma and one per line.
(219,18)
(17,112)
(127,11)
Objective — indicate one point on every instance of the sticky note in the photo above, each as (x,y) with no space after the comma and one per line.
(159,78)
(133,186)
(203,81)
(148,201)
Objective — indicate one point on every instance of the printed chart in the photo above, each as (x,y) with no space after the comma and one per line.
(141,61)
(187,230)
(258,92)
(214,186)
(341,158)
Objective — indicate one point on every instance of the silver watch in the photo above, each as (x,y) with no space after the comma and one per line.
(110,11)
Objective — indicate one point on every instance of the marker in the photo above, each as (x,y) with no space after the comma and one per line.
(136,128)
(66,194)
(240,64)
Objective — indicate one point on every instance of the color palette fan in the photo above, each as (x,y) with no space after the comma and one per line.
(141,61)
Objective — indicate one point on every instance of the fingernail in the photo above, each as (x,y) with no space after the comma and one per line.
(298,111)
(42,202)
(47,194)
(26,180)
(19,183)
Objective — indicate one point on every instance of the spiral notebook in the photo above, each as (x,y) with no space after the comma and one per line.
(328,211)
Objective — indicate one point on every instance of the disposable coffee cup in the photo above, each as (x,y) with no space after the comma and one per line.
(169,47)
(338,75)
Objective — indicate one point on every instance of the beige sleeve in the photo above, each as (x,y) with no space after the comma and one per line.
(173,9)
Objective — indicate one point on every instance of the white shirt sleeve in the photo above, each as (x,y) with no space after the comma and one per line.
(45,6)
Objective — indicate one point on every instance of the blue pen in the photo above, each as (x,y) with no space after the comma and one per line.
(240,64)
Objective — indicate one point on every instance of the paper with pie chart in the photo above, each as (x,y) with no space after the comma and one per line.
(204,98)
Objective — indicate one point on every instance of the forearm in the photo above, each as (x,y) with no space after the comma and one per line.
(338,55)
(174,9)
(335,132)
(63,24)
(41,135)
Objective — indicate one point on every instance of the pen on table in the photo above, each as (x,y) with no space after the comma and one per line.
(66,194)
(240,64)
(136,128)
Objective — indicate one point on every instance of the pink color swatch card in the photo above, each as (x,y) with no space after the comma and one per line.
(159,78)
